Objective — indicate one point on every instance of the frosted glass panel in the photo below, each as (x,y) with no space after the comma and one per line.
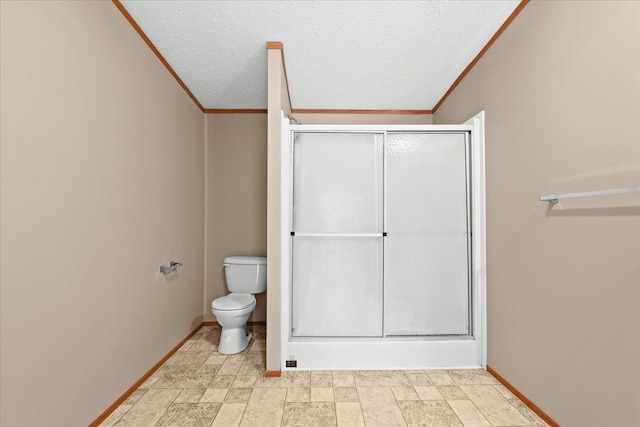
(337,286)
(337,183)
(427,289)
(426,262)
(426,182)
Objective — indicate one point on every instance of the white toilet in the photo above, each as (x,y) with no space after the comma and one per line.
(246,276)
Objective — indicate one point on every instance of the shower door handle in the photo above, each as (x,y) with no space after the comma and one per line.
(293,233)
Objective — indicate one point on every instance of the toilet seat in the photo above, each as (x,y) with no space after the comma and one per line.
(233,302)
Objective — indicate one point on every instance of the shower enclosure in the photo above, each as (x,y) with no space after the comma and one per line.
(383,246)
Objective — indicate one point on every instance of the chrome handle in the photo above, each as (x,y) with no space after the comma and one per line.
(171,267)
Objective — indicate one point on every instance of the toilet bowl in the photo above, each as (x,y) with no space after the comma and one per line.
(245,276)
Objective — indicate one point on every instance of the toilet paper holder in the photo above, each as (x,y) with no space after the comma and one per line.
(173,265)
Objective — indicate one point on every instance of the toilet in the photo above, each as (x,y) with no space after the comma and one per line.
(246,276)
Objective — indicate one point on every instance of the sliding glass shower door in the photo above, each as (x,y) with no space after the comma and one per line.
(337,235)
(427,286)
(380,235)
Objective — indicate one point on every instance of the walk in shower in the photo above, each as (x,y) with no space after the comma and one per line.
(383,246)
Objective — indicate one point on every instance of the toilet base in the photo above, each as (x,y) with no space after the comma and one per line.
(234,340)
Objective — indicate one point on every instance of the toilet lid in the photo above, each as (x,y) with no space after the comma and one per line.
(233,302)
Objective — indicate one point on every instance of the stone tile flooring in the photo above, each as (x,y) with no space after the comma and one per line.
(198,386)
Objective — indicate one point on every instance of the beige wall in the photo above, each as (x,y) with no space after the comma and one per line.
(236,198)
(561,90)
(277,105)
(102,181)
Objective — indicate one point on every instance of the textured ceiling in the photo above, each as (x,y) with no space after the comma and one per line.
(339,54)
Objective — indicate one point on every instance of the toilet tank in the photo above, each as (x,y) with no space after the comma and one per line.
(246,274)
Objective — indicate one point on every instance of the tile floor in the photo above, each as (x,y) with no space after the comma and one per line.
(198,386)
